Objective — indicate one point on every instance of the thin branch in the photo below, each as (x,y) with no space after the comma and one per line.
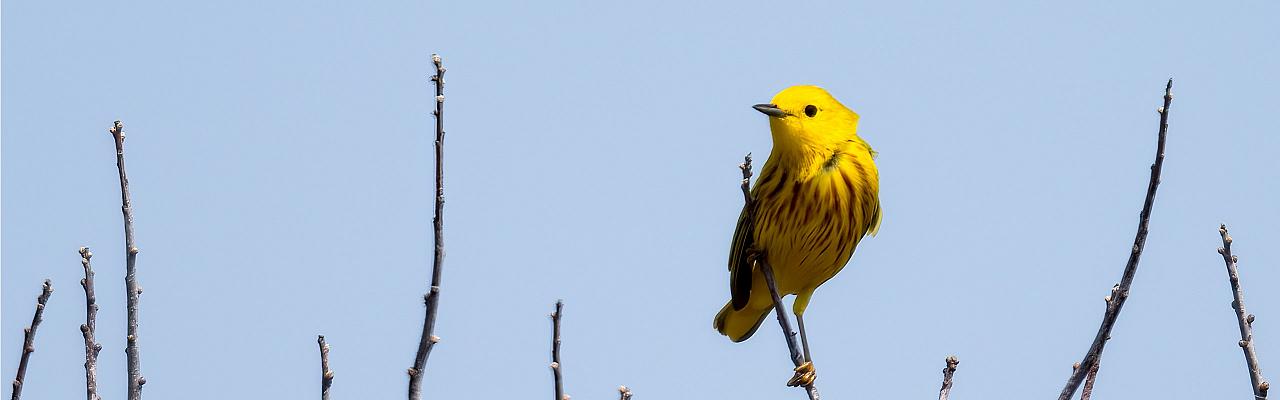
(1120,292)
(804,371)
(432,298)
(797,356)
(29,338)
(624,393)
(90,326)
(326,374)
(746,184)
(1087,392)
(1245,320)
(130,275)
(947,373)
(555,351)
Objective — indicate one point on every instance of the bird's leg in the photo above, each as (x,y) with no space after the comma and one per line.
(804,340)
(805,373)
(804,370)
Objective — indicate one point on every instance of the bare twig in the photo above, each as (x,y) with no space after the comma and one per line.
(759,261)
(797,356)
(555,351)
(1120,292)
(90,326)
(326,374)
(947,373)
(1087,391)
(624,393)
(29,338)
(746,183)
(432,299)
(1243,317)
(130,273)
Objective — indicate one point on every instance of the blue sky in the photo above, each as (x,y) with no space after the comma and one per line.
(279,156)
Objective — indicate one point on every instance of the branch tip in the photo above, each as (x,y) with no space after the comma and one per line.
(326,374)
(1121,291)
(947,373)
(556,374)
(431,300)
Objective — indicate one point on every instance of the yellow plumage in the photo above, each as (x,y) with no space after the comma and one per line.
(815,198)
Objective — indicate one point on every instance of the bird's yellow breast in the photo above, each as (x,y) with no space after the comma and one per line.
(811,219)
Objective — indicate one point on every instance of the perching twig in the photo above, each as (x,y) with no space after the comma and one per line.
(759,261)
(555,351)
(130,271)
(91,345)
(1243,317)
(624,393)
(746,183)
(326,374)
(432,298)
(1120,292)
(947,373)
(797,356)
(29,338)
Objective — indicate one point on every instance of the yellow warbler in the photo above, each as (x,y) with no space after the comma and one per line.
(816,198)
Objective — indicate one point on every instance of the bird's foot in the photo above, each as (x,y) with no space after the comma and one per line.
(805,375)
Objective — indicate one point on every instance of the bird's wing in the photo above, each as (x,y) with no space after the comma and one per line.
(874,226)
(739,252)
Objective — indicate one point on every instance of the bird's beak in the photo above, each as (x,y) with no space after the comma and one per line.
(770,110)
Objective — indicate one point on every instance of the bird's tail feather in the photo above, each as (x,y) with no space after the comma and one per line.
(739,325)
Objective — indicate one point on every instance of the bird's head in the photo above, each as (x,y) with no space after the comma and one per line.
(803,117)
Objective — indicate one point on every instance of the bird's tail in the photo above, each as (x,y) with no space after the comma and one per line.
(739,325)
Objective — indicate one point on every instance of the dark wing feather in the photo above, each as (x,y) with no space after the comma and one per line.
(739,265)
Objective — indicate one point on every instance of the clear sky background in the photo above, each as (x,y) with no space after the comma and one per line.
(280,161)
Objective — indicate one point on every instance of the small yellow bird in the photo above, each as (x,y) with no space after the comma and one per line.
(816,198)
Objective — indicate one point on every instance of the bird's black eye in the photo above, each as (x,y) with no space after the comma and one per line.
(810,110)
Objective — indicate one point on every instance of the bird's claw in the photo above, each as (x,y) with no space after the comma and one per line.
(805,375)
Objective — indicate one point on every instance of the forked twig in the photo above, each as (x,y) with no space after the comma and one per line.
(1243,317)
(1120,292)
(132,290)
(432,299)
(759,261)
(89,328)
(29,338)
